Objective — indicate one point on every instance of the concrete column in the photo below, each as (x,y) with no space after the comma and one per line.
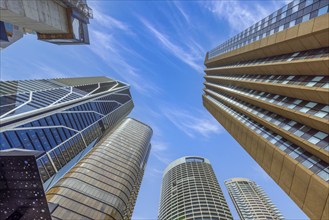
(43,16)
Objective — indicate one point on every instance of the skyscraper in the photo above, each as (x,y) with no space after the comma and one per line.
(72,131)
(250,200)
(268,86)
(190,190)
(63,118)
(105,183)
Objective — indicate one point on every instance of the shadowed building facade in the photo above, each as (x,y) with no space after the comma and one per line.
(268,86)
(250,200)
(190,190)
(105,183)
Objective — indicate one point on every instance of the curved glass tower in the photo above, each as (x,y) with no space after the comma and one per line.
(190,190)
(250,200)
(105,183)
(62,118)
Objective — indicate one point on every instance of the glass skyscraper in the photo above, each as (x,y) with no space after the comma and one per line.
(63,118)
(90,157)
(105,183)
(268,86)
(190,190)
(250,200)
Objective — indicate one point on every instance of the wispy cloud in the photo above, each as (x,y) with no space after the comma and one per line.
(43,70)
(159,149)
(109,46)
(181,11)
(239,15)
(107,21)
(192,123)
(188,51)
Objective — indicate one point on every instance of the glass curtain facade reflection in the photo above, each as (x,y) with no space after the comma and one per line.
(268,86)
(105,183)
(63,117)
(190,190)
(250,200)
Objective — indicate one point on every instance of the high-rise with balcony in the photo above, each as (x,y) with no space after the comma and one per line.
(268,86)
(250,200)
(190,190)
(74,123)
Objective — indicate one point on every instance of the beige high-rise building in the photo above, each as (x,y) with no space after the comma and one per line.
(268,87)
(191,191)
(250,200)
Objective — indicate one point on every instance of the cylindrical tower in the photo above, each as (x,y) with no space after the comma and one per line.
(105,183)
(190,190)
(250,200)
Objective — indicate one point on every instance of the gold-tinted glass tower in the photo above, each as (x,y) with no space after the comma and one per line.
(105,183)
(268,86)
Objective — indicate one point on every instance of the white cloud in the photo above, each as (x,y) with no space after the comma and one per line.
(192,54)
(181,10)
(49,72)
(109,46)
(239,15)
(159,149)
(108,22)
(192,124)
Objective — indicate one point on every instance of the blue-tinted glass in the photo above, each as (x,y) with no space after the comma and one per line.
(43,122)
(50,137)
(25,140)
(306,18)
(4,142)
(35,140)
(44,141)
(13,139)
(308,2)
(323,10)
(62,134)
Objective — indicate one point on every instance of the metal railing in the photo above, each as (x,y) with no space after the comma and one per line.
(81,5)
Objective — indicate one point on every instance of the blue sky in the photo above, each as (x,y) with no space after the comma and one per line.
(159,47)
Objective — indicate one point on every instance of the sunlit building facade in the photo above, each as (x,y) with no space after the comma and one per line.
(251,201)
(190,190)
(268,86)
(105,183)
(63,118)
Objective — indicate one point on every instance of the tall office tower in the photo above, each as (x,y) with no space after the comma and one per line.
(54,21)
(268,86)
(190,190)
(250,200)
(105,183)
(62,118)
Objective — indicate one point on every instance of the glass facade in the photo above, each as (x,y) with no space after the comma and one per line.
(294,13)
(190,190)
(62,117)
(250,200)
(105,183)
